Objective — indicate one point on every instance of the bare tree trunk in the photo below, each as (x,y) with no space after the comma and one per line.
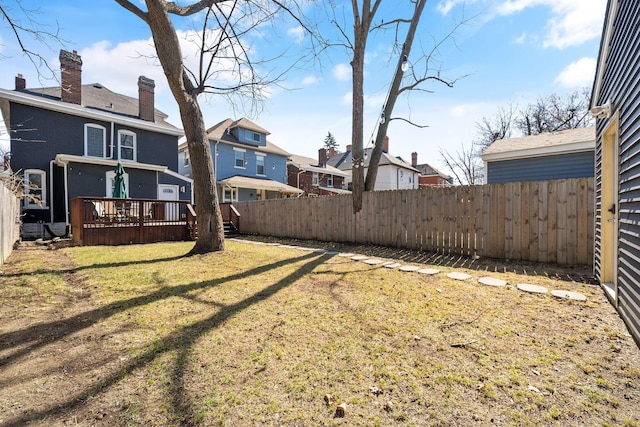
(394,91)
(357,154)
(210,226)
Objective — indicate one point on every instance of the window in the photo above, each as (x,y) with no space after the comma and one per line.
(252,136)
(314,178)
(239,158)
(111,175)
(329,180)
(127,145)
(35,194)
(260,165)
(95,140)
(185,153)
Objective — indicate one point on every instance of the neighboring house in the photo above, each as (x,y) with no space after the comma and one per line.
(393,172)
(615,102)
(66,142)
(315,177)
(247,166)
(430,176)
(549,155)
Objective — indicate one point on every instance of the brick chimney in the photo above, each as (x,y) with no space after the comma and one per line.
(21,83)
(71,76)
(322,157)
(332,152)
(414,159)
(349,147)
(385,145)
(146,99)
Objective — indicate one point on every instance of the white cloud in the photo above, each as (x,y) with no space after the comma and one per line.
(347,98)
(444,7)
(118,67)
(572,24)
(578,74)
(342,71)
(297,33)
(310,80)
(521,39)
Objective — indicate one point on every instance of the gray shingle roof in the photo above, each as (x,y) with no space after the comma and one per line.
(543,140)
(97,97)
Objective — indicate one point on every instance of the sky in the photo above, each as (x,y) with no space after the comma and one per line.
(504,52)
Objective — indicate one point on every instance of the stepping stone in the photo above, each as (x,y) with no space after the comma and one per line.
(534,289)
(346,254)
(359,257)
(490,281)
(391,264)
(372,261)
(429,271)
(319,251)
(409,268)
(576,296)
(458,276)
(331,252)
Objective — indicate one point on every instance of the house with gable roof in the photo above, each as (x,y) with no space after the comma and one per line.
(247,165)
(315,177)
(393,172)
(66,141)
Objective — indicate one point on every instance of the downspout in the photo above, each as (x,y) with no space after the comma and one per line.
(66,195)
(51,191)
(112,130)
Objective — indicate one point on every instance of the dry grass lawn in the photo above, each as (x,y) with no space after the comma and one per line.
(263,335)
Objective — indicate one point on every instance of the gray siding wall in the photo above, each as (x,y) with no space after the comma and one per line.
(560,166)
(621,84)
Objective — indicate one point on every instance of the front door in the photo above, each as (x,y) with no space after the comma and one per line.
(169,193)
(609,212)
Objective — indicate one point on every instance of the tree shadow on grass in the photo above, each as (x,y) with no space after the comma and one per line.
(182,340)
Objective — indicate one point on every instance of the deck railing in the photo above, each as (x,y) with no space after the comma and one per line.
(109,221)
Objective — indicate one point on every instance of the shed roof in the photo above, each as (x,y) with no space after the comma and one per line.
(547,143)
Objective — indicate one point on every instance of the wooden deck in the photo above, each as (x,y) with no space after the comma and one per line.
(108,221)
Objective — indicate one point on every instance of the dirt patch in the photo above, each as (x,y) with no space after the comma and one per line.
(292,351)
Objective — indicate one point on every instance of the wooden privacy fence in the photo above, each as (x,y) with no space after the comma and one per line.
(9,221)
(544,221)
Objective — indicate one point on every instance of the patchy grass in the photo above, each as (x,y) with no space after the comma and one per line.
(266,335)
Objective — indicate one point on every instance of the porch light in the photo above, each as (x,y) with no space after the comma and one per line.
(382,118)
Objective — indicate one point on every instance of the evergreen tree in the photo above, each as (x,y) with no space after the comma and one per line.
(330,142)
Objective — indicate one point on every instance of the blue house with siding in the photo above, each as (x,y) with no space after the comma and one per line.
(550,155)
(66,141)
(615,102)
(247,165)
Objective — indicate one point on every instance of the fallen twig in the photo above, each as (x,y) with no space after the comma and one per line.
(448,325)
(463,344)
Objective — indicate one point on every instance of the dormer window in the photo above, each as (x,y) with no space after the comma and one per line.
(256,137)
(95,140)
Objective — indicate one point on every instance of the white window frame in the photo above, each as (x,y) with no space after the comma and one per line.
(28,203)
(329,180)
(264,164)
(244,158)
(134,147)
(314,178)
(110,176)
(186,157)
(104,139)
